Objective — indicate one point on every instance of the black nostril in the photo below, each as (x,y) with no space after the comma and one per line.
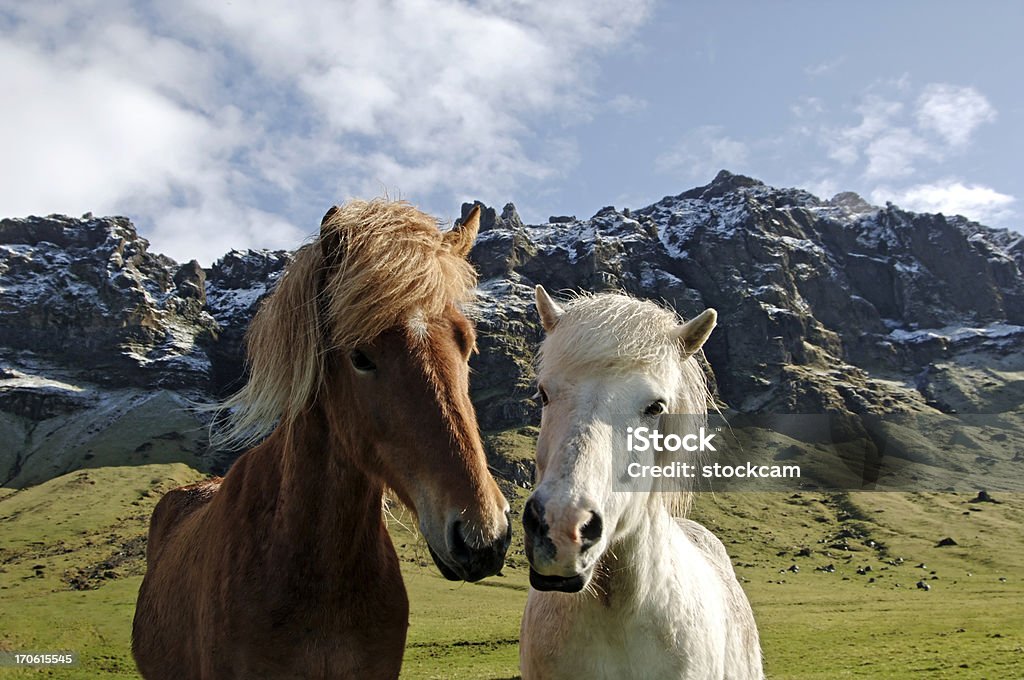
(475,563)
(532,521)
(590,533)
(460,551)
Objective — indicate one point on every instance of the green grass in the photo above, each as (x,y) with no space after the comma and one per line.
(83,530)
(817,624)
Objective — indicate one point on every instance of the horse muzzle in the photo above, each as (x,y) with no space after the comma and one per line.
(465,561)
(569,561)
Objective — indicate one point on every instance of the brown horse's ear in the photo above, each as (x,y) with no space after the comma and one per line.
(460,238)
(330,239)
(694,333)
(328,215)
(548,309)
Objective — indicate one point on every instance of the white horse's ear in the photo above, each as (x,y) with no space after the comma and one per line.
(548,309)
(694,333)
(460,239)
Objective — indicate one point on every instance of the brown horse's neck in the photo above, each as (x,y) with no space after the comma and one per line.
(328,522)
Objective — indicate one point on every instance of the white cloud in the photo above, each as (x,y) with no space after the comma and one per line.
(891,137)
(892,153)
(951,197)
(228,124)
(703,152)
(847,145)
(953,112)
(87,139)
(905,147)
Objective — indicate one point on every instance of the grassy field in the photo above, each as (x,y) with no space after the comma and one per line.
(72,557)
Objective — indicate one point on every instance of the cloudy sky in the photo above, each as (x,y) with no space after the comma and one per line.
(233,124)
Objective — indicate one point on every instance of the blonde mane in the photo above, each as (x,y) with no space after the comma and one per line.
(615,333)
(374,265)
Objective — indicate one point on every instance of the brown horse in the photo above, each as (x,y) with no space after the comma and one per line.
(359,375)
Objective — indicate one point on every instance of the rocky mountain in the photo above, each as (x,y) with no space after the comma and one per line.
(824,305)
(95,328)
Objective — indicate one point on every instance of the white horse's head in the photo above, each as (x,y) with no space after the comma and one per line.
(607,361)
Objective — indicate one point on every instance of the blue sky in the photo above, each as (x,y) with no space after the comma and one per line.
(218,125)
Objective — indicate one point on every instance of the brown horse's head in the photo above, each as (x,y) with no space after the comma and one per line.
(367,325)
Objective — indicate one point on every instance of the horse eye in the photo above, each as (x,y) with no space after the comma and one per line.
(655,409)
(542,395)
(361,362)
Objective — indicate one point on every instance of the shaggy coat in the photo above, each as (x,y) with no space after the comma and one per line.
(359,382)
(621,588)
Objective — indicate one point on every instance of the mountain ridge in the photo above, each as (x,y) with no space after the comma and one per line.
(824,305)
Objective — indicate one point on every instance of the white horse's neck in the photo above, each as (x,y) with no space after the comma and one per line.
(636,567)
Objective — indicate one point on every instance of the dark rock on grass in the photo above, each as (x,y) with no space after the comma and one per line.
(946,541)
(983,497)
(923,586)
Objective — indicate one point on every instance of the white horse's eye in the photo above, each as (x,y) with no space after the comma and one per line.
(542,395)
(655,409)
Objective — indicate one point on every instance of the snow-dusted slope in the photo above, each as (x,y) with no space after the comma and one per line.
(823,304)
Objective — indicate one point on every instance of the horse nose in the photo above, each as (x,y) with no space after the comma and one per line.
(478,561)
(586,531)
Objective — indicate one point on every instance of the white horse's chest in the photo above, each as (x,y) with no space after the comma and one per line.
(628,649)
(677,631)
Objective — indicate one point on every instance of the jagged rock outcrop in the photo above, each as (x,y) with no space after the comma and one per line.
(823,304)
(236,285)
(831,305)
(89,295)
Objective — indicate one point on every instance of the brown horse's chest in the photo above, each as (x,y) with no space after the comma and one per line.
(350,624)
(325,643)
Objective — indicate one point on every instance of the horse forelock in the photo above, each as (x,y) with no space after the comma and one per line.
(614,334)
(394,267)
(387,266)
(608,332)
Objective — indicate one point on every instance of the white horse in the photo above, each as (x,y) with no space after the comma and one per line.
(620,587)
